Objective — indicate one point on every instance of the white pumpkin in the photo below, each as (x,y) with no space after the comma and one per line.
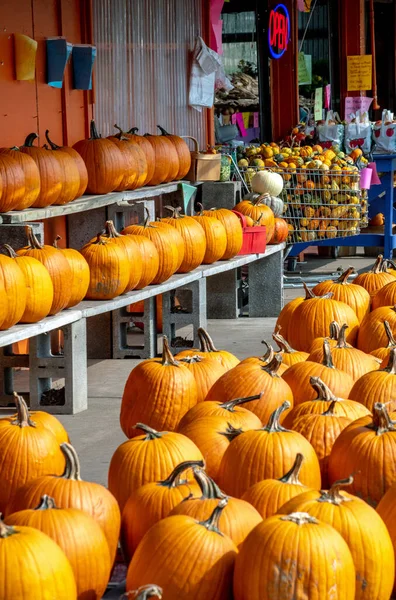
(267,182)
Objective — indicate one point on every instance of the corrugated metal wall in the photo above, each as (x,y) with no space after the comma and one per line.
(316,41)
(143,64)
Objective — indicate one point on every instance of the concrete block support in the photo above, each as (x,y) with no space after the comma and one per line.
(8,363)
(121,320)
(15,236)
(71,366)
(222,298)
(221,194)
(266,286)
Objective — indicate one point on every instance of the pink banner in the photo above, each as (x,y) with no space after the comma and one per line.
(241,124)
(217,37)
(355,103)
(327,96)
(256,120)
(233,119)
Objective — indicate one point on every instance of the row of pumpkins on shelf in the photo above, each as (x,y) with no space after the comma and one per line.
(43,279)
(232,473)
(34,176)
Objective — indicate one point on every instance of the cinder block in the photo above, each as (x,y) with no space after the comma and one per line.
(221,194)
(14,234)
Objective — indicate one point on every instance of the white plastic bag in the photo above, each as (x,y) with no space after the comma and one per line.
(331,134)
(207,74)
(384,135)
(358,133)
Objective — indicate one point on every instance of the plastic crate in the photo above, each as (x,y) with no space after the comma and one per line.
(254,238)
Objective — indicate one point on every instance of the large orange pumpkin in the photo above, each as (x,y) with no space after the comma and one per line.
(274,450)
(57,265)
(366,448)
(109,269)
(251,378)
(206,372)
(316,559)
(183,153)
(145,146)
(281,231)
(150,259)
(147,458)
(232,413)
(257,210)
(298,377)
(43,569)
(70,176)
(385,296)
(82,169)
(266,359)
(179,541)
(362,529)
(70,491)
(375,279)
(289,355)
(383,353)
(49,169)
(332,338)
(132,250)
(131,173)
(233,229)
(48,421)
(158,393)
(350,360)
(13,284)
(104,161)
(312,319)
(80,274)
(372,333)
(268,495)
(216,237)
(237,519)
(31,176)
(13,180)
(207,349)
(356,296)
(166,160)
(377,386)
(81,539)
(286,314)
(27,451)
(193,236)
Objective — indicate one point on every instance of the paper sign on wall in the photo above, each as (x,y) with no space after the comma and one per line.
(327,98)
(359,72)
(308,66)
(303,74)
(353,104)
(318,106)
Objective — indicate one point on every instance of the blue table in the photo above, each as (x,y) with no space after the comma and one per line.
(381,201)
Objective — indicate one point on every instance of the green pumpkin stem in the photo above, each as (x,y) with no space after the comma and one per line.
(52,144)
(30,139)
(174,478)
(22,417)
(206,342)
(167,357)
(151,434)
(209,488)
(231,404)
(382,423)
(46,503)
(5,530)
(343,278)
(282,343)
(94,132)
(212,524)
(333,494)
(10,251)
(341,342)
(72,469)
(327,358)
(292,475)
(273,425)
(324,392)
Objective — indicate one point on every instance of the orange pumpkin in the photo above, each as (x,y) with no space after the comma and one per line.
(82,169)
(377,386)
(14,292)
(289,355)
(131,173)
(70,176)
(374,279)
(150,259)
(216,237)
(207,349)
(132,250)
(145,146)
(354,295)
(166,159)
(193,236)
(13,184)
(372,333)
(49,169)
(256,209)
(233,229)
(383,353)
(183,153)
(232,413)
(206,372)
(281,231)
(80,273)
(31,174)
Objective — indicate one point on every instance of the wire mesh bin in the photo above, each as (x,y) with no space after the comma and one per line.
(320,204)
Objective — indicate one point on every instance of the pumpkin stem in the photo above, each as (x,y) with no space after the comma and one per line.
(334,330)
(162,130)
(273,425)
(300,518)
(324,392)
(94,132)
(282,343)
(330,411)
(327,358)
(269,353)
(53,146)
(341,342)
(111,231)
(175,212)
(212,524)
(382,422)
(333,494)
(5,530)
(46,503)
(200,212)
(10,251)
(72,470)
(345,275)
(133,130)
(292,475)
(377,267)
(209,488)
(31,238)
(272,367)
(167,356)
(191,359)
(22,417)
(388,263)
(56,240)
(391,366)
(120,133)
(144,593)
(206,342)
(151,434)
(30,139)
(389,334)
(309,295)
(174,478)
(231,404)
(231,432)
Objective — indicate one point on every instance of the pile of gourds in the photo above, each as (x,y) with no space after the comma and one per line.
(40,280)
(34,176)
